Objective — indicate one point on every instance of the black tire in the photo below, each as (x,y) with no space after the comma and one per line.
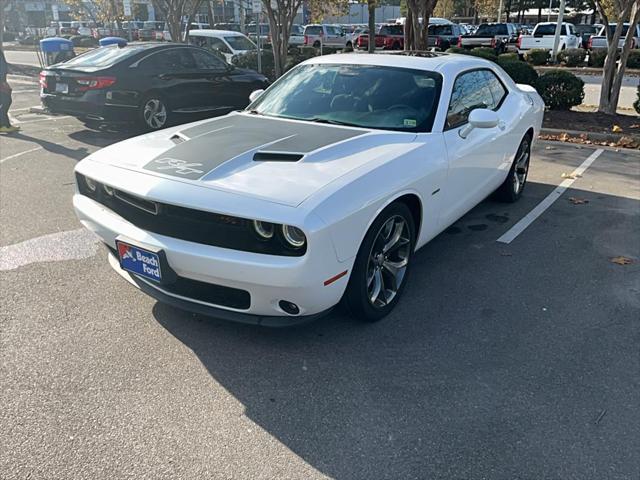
(357,297)
(513,186)
(316,44)
(144,115)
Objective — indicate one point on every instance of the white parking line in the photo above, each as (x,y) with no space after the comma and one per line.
(15,155)
(528,219)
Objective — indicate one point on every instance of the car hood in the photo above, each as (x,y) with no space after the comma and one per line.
(282,161)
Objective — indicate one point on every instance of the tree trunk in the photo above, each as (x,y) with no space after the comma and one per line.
(612,77)
(372,26)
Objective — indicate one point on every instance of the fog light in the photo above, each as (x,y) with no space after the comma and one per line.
(289,307)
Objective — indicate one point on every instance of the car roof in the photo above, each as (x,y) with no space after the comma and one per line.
(445,63)
(211,32)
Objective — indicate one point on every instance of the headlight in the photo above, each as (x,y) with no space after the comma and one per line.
(264,230)
(294,236)
(90,183)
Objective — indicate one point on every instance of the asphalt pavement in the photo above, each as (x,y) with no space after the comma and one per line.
(502,361)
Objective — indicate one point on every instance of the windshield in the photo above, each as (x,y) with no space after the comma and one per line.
(102,57)
(492,29)
(240,43)
(549,29)
(366,96)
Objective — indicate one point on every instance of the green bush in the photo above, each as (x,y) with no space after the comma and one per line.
(508,56)
(633,61)
(250,60)
(636,104)
(537,56)
(456,50)
(596,58)
(572,57)
(560,89)
(484,52)
(520,72)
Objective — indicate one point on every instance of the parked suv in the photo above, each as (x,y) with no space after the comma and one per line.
(325,36)
(388,37)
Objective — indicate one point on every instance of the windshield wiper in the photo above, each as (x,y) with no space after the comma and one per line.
(330,122)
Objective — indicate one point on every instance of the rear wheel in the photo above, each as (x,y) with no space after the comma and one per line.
(154,113)
(513,186)
(316,44)
(382,265)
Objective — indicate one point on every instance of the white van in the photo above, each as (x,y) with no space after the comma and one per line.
(227,42)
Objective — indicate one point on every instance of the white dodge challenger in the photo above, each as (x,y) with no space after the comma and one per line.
(319,192)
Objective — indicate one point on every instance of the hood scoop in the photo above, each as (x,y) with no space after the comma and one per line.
(274,156)
(177,139)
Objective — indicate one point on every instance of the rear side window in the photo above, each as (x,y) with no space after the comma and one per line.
(471,90)
(206,61)
(174,60)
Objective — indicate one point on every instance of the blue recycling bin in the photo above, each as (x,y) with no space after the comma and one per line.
(56,50)
(121,42)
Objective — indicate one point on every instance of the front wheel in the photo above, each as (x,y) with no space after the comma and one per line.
(511,189)
(382,265)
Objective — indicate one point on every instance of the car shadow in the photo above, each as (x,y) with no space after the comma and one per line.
(74,153)
(104,137)
(459,378)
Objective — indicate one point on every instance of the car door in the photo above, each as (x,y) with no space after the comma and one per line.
(477,162)
(222,93)
(173,73)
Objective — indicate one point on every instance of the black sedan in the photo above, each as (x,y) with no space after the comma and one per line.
(154,85)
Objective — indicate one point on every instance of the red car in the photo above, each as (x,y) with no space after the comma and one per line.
(388,37)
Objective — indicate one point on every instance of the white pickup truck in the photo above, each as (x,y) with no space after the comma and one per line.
(599,42)
(543,36)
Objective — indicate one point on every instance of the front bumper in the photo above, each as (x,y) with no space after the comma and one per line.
(268,278)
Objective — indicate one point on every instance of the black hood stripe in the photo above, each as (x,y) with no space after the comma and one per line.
(213,143)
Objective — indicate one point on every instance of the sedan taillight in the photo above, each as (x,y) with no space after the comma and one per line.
(94,83)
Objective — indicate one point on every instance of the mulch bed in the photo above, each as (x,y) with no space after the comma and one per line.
(591,122)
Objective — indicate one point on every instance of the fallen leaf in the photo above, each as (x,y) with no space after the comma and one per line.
(572,176)
(578,201)
(621,260)
(616,129)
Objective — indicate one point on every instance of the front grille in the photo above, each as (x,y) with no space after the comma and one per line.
(187,224)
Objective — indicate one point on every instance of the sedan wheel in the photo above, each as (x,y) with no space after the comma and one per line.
(382,264)
(154,113)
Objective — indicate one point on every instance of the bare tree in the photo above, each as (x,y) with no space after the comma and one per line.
(613,75)
(174,11)
(281,14)
(371,5)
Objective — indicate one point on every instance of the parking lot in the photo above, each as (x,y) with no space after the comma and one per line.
(502,361)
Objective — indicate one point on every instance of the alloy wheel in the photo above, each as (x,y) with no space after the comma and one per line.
(521,168)
(388,261)
(155,113)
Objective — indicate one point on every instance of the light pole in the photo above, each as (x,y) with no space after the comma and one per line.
(556,40)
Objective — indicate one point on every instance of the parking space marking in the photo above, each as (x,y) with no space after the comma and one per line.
(54,247)
(528,219)
(15,155)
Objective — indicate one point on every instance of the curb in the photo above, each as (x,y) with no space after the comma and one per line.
(631,72)
(628,140)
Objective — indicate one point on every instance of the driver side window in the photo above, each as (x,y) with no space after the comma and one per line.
(471,90)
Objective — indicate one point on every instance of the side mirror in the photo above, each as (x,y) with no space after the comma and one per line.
(479,118)
(255,94)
